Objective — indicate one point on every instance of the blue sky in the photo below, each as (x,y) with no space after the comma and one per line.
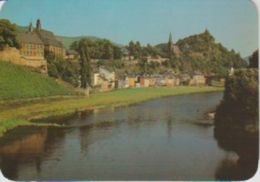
(232,22)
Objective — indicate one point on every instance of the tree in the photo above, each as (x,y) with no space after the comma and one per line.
(85,68)
(143,64)
(117,52)
(108,52)
(8,34)
(253,60)
(62,69)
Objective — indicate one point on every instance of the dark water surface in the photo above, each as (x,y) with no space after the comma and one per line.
(162,139)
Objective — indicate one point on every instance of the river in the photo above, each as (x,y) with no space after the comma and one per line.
(163,139)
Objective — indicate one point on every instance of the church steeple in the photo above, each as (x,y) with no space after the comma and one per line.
(38,25)
(170,46)
(170,39)
(30,29)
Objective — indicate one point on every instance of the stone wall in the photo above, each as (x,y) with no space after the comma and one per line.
(13,55)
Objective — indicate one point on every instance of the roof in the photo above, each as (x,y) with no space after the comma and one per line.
(48,38)
(71,52)
(29,37)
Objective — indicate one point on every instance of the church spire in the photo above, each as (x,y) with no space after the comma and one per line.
(170,39)
(170,46)
(30,29)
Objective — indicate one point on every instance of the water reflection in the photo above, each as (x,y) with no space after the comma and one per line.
(245,144)
(140,142)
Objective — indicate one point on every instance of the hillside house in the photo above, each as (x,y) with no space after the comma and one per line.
(131,81)
(155,59)
(172,81)
(120,83)
(72,55)
(152,81)
(104,79)
(197,79)
(184,79)
(144,81)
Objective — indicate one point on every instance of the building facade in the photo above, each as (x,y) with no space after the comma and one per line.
(51,44)
(35,43)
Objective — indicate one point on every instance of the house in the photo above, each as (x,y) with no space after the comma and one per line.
(184,79)
(155,59)
(159,81)
(104,79)
(144,81)
(120,83)
(152,81)
(197,79)
(105,86)
(172,81)
(71,55)
(131,80)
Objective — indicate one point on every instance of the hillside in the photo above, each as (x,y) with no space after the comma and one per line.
(67,41)
(19,82)
(201,52)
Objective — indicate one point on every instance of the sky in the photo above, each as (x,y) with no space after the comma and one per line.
(234,23)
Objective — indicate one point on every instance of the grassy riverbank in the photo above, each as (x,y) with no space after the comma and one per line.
(17,82)
(12,115)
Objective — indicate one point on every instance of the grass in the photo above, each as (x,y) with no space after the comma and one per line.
(18,82)
(11,117)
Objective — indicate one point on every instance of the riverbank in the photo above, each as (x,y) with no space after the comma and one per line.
(20,114)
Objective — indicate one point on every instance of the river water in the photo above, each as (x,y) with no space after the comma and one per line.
(168,138)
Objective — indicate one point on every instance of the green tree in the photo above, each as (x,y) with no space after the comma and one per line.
(117,52)
(253,60)
(62,69)
(85,67)
(108,52)
(8,34)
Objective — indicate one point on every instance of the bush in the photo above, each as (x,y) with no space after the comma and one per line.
(240,101)
(63,69)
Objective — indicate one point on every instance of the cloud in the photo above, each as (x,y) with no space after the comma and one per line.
(1,4)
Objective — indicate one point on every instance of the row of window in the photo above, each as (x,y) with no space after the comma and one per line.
(33,53)
(38,50)
(33,46)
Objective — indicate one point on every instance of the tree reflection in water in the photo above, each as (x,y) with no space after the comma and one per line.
(245,144)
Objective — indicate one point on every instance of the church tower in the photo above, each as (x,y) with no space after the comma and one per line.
(170,46)
(38,25)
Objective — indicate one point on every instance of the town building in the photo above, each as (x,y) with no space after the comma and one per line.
(34,43)
(131,81)
(197,79)
(155,59)
(104,79)
(51,44)
(72,55)
(144,81)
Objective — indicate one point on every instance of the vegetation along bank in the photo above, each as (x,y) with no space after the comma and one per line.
(21,114)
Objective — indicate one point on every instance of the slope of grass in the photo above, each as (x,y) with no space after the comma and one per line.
(19,82)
